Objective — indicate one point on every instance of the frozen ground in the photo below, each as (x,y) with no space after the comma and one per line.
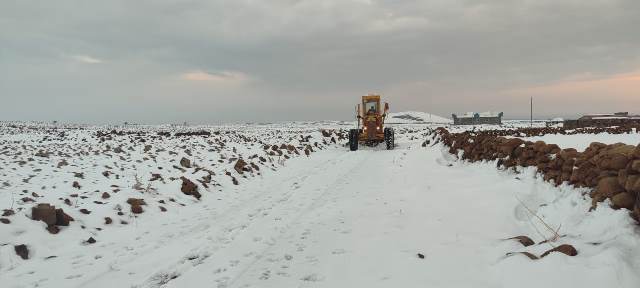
(332,219)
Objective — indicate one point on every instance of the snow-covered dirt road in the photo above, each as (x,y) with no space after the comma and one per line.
(361,219)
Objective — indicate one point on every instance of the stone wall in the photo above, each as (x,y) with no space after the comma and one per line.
(572,124)
(540,131)
(613,171)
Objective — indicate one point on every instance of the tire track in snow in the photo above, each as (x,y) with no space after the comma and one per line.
(316,203)
(235,258)
(212,233)
(261,268)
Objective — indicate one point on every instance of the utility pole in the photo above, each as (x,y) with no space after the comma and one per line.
(531,119)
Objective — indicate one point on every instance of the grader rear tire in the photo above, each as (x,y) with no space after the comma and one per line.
(353,139)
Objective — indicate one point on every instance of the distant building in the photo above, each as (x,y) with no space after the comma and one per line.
(473,118)
(603,120)
(553,122)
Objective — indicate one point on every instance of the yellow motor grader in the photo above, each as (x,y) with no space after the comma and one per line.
(370,124)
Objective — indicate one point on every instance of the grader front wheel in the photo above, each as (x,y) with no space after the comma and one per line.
(353,139)
(389,138)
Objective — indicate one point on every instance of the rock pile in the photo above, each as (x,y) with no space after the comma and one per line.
(193,133)
(612,170)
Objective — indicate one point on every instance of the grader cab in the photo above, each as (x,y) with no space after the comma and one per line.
(370,124)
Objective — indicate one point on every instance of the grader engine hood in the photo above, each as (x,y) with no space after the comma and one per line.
(372,124)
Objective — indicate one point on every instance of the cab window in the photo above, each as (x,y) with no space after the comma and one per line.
(371,107)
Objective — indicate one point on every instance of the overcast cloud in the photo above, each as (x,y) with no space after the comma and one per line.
(240,60)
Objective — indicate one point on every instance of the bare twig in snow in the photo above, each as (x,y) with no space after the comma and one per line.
(555,235)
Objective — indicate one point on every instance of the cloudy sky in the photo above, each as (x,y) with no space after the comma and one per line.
(248,60)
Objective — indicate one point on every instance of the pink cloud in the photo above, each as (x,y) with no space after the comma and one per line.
(623,86)
(580,94)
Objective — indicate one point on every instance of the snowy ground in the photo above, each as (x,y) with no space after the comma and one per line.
(333,219)
(582,141)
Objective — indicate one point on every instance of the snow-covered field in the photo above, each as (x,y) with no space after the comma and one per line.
(410,217)
(582,141)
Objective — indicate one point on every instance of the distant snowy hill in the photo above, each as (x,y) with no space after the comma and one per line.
(409,117)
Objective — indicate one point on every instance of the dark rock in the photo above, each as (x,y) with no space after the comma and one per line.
(5,221)
(105,195)
(155,176)
(636,152)
(189,188)
(136,205)
(524,240)
(62,163)
(136,201)
(22,251)
(108,220)
(564,248)
(630,183)
(62,219)
(136,209)
(607,187)
(510,145)
(27,199)
(53,229)
(623,200)
(240,166)
(44,212)
(186,163)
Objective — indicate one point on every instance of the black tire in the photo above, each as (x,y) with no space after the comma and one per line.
(389,138)
(353,139)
